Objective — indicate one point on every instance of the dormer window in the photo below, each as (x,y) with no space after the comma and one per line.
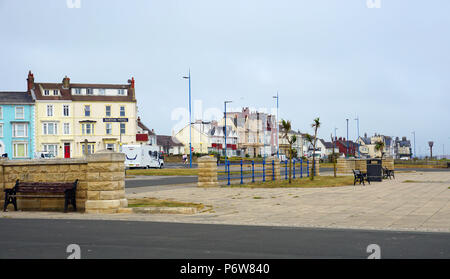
(89,91)
(101,91)
(46,92)
(55,92)
(78,91)
(121,91)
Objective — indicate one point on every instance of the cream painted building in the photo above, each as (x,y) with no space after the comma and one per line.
(200,141)
(74,119)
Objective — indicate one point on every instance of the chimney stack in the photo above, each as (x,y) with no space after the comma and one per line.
(30,81)
(131,82)
(66,82)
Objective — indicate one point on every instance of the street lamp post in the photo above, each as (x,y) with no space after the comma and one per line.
(357,143)
(414,133)
(190,127)
(334,141)
(347,137)
(225,116)
(277,127)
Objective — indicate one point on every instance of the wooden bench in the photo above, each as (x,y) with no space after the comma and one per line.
(387,173)
(42,190)
(359,176)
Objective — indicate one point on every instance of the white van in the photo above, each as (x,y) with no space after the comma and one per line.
(142,156)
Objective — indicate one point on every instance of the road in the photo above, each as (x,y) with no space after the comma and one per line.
(25,238)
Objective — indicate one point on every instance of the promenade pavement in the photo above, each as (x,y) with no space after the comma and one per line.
(413,202)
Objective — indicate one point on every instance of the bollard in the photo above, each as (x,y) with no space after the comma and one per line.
(301,168)
(264,170)
(227,167)
(285,170)
(253,171)
(273,170)
(307,167)
(242,178)
(293,163)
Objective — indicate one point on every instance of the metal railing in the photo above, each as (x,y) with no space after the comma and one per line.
(259,170)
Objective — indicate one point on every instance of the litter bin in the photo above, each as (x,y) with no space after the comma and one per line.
(374,170)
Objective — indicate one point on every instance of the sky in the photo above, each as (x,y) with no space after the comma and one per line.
(332,59)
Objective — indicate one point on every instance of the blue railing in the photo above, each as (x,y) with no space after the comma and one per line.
(258,169)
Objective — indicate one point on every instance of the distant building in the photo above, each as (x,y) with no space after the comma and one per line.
(17,125)
(346,147)
(402,148)
(208,137)
(169,145)
(145,135)
(73,119)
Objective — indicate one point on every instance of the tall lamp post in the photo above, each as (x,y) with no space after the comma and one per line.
(190,122)
(357,143)
(278,143)
(347,138)
(334,141)
(225,116)
(414,134)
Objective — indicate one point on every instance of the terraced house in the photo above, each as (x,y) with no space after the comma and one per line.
(73,119)
(16,125)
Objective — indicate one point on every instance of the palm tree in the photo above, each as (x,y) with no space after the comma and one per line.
(379,146)
(316,125)
(286,129)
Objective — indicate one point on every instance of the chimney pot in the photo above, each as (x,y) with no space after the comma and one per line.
(66,82)
(30,81)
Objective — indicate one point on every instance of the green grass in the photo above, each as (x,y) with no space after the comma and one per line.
(318,182)
(162,172)
(153,202)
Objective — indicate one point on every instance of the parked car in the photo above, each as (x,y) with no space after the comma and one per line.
(44,155)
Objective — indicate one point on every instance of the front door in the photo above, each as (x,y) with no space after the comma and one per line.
(66,150)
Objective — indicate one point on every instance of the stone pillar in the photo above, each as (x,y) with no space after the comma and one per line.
(361,164)
(317,168)
(105,182)
(207,172)
(345,166)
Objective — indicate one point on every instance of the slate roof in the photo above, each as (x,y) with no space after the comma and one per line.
(15,98)
(167,141)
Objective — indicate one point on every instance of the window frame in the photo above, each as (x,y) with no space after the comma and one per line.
(110,128)
(66,125)
(55,92)
(124,128)
(120,111)
(87,112)
(45,129)
(23,112)
(1,112)
(106,110)
(15,144)
(52,111)
(1,130)
(25,130)
(46,92)
(64,110)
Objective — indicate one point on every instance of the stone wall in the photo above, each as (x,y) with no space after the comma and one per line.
(345,166)
(101,181)
(207,172)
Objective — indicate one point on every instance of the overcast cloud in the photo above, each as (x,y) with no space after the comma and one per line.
(332,59)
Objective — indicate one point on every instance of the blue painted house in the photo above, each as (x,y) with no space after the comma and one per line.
(17,125)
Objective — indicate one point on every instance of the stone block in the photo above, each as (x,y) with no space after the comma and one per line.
(104,186)
(102,204)
(111,195)
(111,176)
(93,195)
